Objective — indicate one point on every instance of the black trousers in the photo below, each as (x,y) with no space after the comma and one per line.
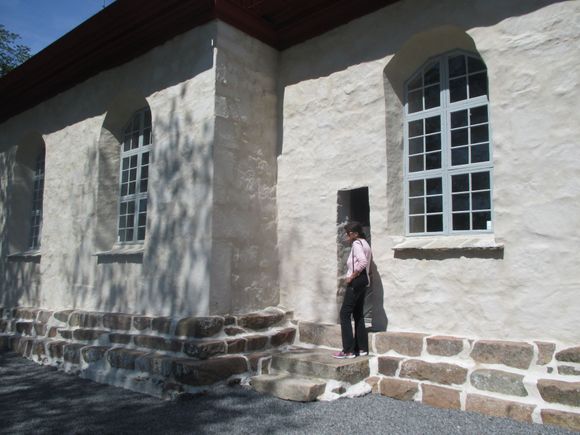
(353,307)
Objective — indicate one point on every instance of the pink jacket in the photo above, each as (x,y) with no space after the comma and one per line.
(359,258)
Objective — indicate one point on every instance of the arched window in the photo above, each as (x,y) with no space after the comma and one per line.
(37,194)
(448,160)
(134,176)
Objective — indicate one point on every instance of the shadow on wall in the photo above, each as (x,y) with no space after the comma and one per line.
(178,238)
(171,275)
(19,270)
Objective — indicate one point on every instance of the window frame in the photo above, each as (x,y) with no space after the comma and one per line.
(137,197)
(446,171)
(36,211)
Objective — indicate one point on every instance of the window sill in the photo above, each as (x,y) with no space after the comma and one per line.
(122,250)
(482,242)
(28,256)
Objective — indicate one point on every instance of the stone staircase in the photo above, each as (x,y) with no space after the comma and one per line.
(162,356)
(304,375)
(534,381)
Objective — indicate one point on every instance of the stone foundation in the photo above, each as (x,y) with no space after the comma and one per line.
(160,356)
(533,381)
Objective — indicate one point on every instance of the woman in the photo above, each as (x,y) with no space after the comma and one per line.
(357,280)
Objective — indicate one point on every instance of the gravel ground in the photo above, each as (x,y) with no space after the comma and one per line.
(36,399)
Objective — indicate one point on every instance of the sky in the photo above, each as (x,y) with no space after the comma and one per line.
(41,22)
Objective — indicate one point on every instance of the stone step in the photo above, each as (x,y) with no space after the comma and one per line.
(319,363)
(289,386)
(193,348)
(24,320)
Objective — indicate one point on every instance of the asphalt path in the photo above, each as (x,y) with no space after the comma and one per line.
(41,400)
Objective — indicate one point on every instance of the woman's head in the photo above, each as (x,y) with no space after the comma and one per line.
(354,230)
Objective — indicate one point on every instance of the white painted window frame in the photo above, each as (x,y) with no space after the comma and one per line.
(446,171)
(138,196)
(35,233)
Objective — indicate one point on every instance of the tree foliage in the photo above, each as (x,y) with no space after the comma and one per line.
(12,54)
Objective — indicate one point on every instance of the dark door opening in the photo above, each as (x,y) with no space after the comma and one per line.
(352,205)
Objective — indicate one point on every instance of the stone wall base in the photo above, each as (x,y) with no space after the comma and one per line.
(161,356)
(531,381)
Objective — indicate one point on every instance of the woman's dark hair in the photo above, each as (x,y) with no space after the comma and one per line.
(355,227)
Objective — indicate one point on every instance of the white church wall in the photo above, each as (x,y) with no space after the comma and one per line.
(342,129)
(177,81)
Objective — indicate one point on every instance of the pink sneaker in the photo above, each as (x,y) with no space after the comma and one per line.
(342,355)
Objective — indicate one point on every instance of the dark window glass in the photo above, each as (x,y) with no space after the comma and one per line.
(459,156)
(460,183)
(415,101)
(417,82)
(433,142)
(416,206)
(416,128)
(477,85)
(433,161)
(480,181)
(459,137)
(460,202)
(479,134)
(432,124)
(141,233)
(432,95)
(459,119)
(416,145)
(480,153)
(478,115)
(480,220)
(457,66)
(416,188)
(417,224)
(434,186)
(435,223)
(432,74)
(135,140)
(461,221)
(480,201)
(434,204)
(475,65)
(416,163)
(458,89)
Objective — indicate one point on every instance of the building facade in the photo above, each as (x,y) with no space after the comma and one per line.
(210,172)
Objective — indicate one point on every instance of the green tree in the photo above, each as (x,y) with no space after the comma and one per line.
(12,54)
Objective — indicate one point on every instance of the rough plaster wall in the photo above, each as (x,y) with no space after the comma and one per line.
(177,80)
(244,260)
(23,276)
(334,138)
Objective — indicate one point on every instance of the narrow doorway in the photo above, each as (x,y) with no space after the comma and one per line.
(352,205)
